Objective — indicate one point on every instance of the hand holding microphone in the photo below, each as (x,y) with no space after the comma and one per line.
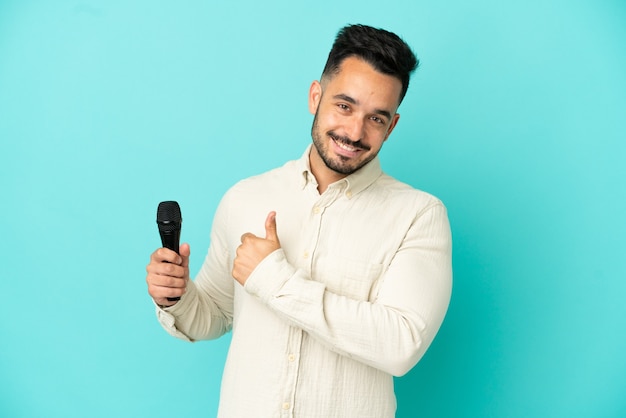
(168,270)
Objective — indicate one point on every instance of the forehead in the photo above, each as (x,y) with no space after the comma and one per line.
(358,79)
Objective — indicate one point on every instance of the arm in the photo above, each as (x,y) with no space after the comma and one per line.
(390,333)
(205,310)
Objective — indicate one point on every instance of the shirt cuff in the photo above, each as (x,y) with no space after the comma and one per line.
(269,276)
(167,315)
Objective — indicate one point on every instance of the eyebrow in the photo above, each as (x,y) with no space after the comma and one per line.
(351,100)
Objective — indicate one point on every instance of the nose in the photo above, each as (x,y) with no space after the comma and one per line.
(355,128)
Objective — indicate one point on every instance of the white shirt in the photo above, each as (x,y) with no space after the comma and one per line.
(355,295)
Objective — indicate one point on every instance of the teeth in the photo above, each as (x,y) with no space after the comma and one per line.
(346,146)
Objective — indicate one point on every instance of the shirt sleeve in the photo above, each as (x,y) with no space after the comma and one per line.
(392,331)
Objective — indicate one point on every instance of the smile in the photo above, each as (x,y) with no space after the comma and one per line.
(346,148)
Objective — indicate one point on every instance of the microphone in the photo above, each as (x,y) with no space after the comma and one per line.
(169,221)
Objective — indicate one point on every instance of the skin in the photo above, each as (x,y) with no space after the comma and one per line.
(355,112)
(355,106)
(167,274)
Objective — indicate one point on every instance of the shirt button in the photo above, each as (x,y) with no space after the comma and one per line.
(348,195)
(316,210)
(306,254)
(286,405)
(291,357)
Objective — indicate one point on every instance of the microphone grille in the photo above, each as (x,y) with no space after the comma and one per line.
(169,211)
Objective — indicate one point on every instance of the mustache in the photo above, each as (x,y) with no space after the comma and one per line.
(348,141)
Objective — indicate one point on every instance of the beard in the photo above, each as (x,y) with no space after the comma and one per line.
(340,164)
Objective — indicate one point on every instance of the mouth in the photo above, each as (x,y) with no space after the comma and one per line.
(346,148)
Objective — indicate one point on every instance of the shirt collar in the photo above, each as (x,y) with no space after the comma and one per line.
(354,183)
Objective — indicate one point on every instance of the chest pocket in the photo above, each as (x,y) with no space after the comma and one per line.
(348,277)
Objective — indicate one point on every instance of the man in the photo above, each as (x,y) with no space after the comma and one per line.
(347,281)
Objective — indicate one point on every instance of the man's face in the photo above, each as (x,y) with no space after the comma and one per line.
(355,111)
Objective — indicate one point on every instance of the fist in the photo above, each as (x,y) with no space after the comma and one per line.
(168,274)
(254,249)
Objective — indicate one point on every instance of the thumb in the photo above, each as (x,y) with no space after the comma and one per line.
(184,251)
(270,227)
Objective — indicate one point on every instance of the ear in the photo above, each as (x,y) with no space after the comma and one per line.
(394,122)
(315,95)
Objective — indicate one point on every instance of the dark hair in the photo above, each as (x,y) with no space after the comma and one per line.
(383,50)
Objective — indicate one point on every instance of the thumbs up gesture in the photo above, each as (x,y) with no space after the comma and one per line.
(254,249)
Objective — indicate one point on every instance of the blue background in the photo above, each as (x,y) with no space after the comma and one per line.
(516,119)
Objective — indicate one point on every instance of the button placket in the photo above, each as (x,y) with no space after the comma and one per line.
(293,366)
(317,213)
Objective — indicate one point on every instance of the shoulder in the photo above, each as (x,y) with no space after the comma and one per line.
(278,177)
(398,193)
(260,193)
(261,186)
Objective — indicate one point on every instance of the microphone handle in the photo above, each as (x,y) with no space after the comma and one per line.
(171,240)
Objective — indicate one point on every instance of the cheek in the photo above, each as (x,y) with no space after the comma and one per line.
(328,120)
(377,134)
(376,145)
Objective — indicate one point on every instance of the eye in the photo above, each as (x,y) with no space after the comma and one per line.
(343,106)
(377,120)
